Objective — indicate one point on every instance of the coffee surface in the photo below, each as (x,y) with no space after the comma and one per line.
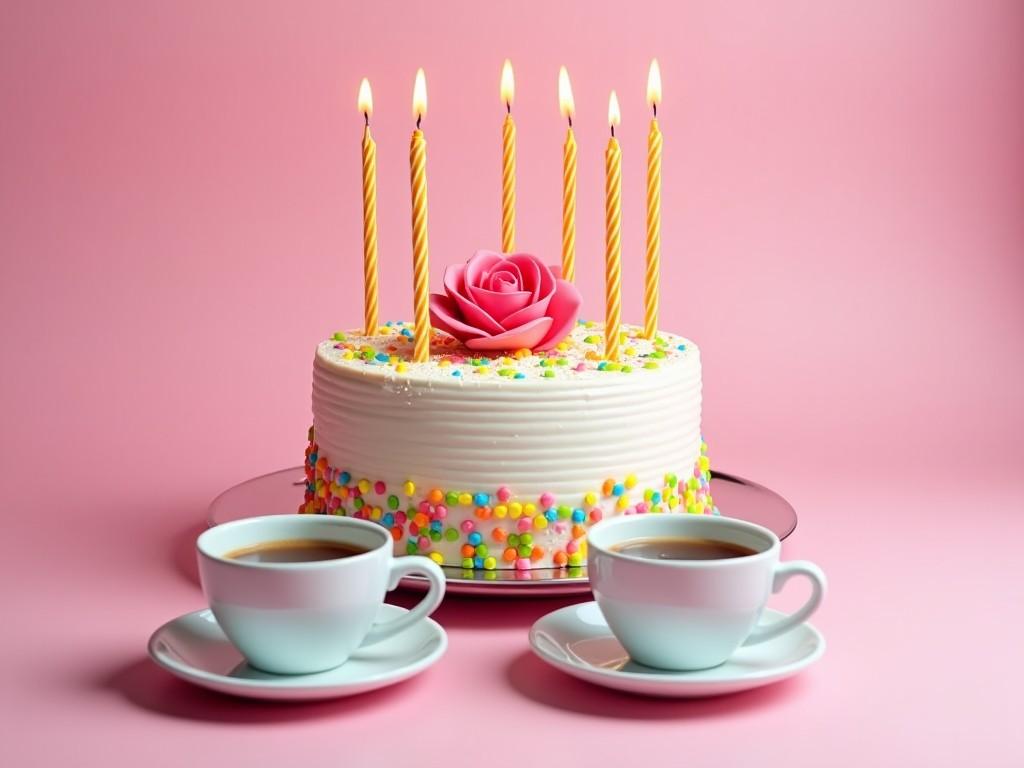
(295,551)
(681,548)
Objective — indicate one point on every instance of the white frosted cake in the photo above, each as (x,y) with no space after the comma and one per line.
(502,460)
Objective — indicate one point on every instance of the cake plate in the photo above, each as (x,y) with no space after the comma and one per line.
(281,492)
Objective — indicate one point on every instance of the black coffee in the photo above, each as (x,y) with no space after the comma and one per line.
(682,548)
(295,551)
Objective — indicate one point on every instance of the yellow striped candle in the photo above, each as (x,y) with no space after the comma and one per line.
(370,306)
(420,249)
(568,108)
(653,270)
(613,235)
(508,163)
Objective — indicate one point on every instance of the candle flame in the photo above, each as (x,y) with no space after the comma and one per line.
(654,85)
(508,84)
(614,117)
(419,95)
(365,98)
(565,100)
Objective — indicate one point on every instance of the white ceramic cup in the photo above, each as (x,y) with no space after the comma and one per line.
(691,614)
(295,618)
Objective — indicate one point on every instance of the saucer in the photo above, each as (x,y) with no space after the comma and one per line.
(194,648)
(576,640)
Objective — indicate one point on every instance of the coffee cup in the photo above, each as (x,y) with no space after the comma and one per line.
(293,612)
(681,613)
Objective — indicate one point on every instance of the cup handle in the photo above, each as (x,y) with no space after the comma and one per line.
(401,567)
(783,573)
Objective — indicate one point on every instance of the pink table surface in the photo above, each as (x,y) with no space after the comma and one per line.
(179,224)
(922,667)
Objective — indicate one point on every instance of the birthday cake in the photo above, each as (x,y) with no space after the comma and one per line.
(513,436)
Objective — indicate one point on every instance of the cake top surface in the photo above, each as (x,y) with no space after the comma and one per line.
(579,356)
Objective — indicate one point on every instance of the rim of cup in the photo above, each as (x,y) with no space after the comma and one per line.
(203,542)
(625,521)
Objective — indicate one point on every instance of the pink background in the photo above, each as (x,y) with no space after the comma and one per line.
(180,222)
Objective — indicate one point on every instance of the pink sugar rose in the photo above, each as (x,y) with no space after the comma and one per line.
(497,302)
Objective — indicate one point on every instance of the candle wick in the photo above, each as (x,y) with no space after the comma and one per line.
(570,120)
(508,107)
(655,106)
(418,118)
(367,116)
(613,131)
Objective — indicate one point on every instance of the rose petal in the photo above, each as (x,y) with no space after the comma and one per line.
(444,314)
(508,266)
(563,311)
(537,277)
(503,281)
(455,278)
(484,279)
(545,289)
(523,337)
(501,305)
(530,312)
(478,267)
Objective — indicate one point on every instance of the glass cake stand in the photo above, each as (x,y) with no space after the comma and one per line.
(281,492)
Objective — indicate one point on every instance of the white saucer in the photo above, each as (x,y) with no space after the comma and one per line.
(194,648)
(576,640)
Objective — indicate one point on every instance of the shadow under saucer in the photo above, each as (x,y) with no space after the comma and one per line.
(148,687)
(532,678)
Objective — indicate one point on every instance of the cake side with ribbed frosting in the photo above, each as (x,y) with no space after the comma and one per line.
(504,460)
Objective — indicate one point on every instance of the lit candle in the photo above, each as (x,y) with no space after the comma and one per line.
(369,213)
(613,238)
(653,206)
(568,108)
(508,162)
(420,250)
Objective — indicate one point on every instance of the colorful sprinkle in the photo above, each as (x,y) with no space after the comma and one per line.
(417,525)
